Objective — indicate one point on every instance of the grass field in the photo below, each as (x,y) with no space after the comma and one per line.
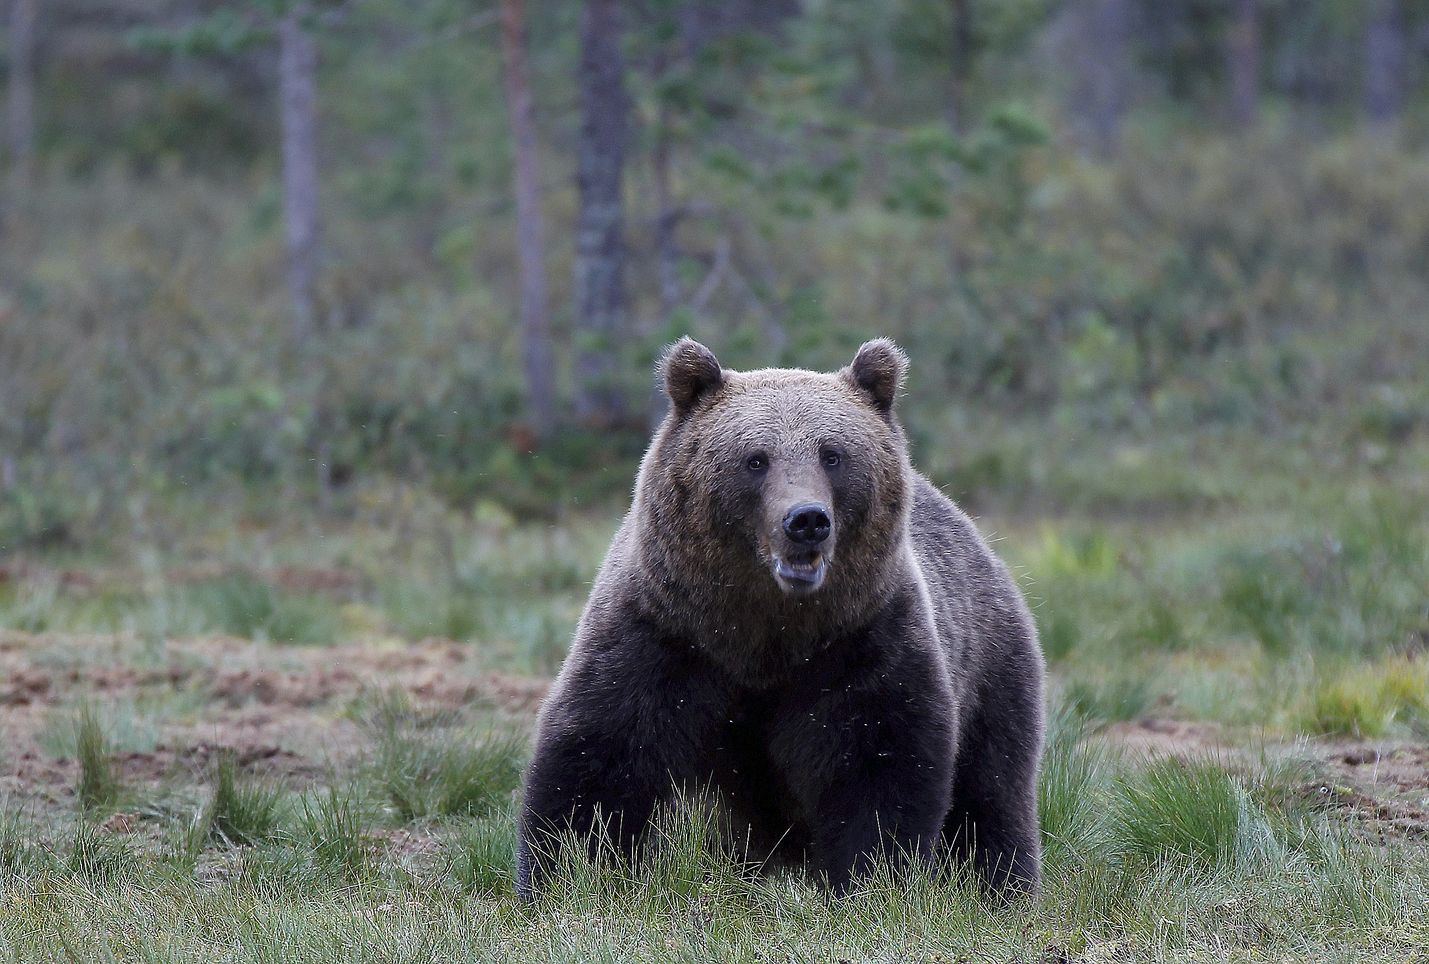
(257,738)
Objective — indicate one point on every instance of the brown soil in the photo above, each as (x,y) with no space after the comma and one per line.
(285,713)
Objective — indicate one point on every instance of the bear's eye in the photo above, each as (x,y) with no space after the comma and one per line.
(757,462)
(830,458)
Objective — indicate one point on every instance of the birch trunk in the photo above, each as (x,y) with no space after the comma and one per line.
(600,254)
(1384,63)
(297,92)
(530,247)
(22,92)
(1243,54)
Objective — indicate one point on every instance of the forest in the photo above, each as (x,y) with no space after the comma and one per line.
(441,241)
(327,337)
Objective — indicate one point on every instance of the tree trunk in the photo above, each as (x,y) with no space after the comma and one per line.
(1109,71)
(530,247)
(600,159)
(667,257)
(297,91)
(667,218)
(960,67)
(22,92)
(1243,54)
(1384,63)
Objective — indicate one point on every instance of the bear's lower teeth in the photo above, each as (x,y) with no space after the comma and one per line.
(809,571)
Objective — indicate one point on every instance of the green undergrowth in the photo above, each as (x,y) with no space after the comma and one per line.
(1143,861)
(1309,619)
(430,765)
(1296,612)
(239,812)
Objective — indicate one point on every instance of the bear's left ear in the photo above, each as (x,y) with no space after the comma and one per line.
(690,371)
(878,370)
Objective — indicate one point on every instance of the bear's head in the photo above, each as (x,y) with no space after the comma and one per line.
(780,491)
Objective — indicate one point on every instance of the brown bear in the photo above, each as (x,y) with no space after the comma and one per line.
(795,621)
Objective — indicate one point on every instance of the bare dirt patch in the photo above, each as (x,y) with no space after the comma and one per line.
(285,712)
(290,714)
(1382,787)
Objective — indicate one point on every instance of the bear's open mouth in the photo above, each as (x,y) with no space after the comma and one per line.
(803,573)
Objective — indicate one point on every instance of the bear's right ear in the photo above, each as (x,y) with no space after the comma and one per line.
(690,371)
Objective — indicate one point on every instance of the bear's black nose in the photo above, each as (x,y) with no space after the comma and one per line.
(808,523)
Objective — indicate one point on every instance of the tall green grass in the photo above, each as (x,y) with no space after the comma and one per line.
(239,811)
(428,766)
(99,784)
(1143,861)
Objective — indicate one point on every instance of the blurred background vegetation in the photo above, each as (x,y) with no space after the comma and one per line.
(320,271)
(1093,223)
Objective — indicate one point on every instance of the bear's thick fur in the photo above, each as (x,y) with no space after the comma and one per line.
(795,621)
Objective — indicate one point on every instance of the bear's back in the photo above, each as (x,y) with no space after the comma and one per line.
(973,595)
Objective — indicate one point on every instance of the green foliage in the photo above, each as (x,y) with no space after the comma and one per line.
(1264,601)
(224,32)
(1352,588)
(1083,317)
(1159,623)
(1118,698)
(39,518)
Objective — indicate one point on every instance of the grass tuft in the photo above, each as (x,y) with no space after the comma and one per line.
(1115,700)
(1259,598)
(240,812)
(431,767)
(1183,812)
(18,852)
(99,857)
(1368,700)
(332,824)
(479,858)
(99,785)
(1071,798)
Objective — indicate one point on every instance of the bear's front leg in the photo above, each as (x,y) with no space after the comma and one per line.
(869,759)
(627,724)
